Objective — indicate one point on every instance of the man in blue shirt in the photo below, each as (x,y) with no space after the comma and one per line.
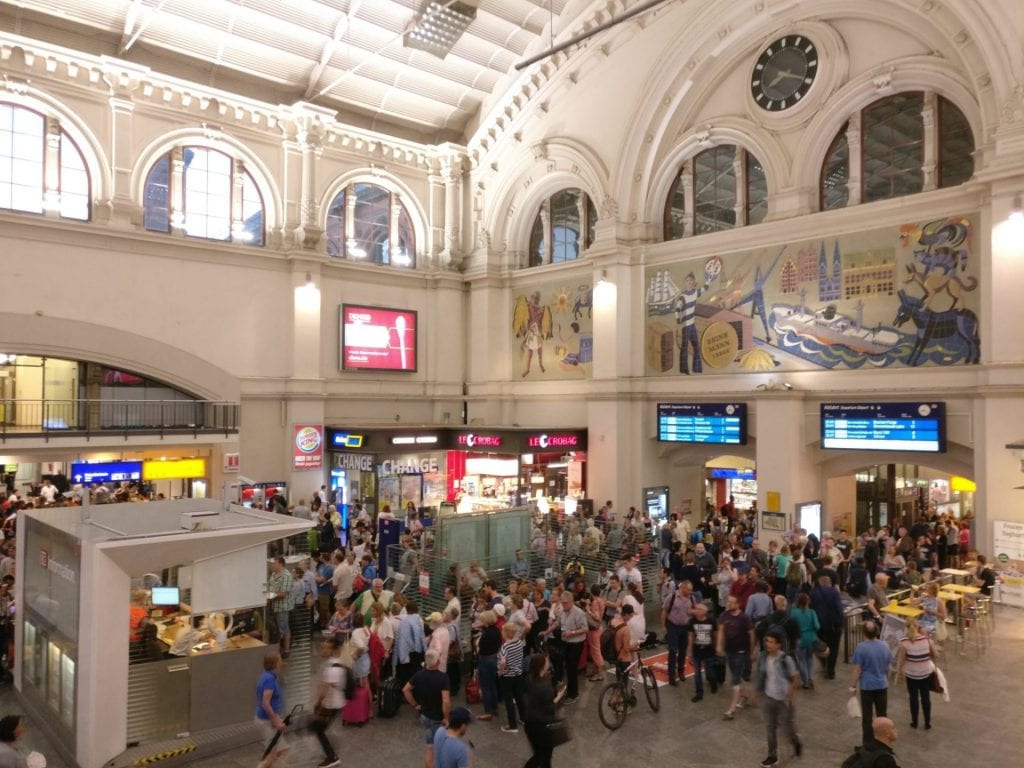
(451,748)
(871,661)
(409,643)
(520,568)
(270,708)
(324,574)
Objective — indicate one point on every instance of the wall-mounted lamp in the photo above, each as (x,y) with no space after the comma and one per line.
(1017,214)
(309,281)
(603,279)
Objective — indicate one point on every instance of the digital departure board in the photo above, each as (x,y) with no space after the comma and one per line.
(712,423)
(884,426)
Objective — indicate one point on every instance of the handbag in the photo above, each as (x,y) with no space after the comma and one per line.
(558,732)
(941,632)
(820,649)
(936,684)
(346,656)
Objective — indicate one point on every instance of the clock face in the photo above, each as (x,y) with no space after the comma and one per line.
(784,72)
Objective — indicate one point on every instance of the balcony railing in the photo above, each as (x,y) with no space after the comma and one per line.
(31,418)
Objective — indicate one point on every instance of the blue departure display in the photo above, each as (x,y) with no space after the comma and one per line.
(712,423)
(105,472)
(884,426)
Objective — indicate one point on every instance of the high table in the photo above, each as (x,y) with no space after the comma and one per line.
(964,588)
(908,611)
(955,573)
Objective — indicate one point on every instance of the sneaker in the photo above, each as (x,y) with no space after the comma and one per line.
(329,762)
(507,729)
(697,698)
(570,699)
(728,715)
(673,682)
(769,761)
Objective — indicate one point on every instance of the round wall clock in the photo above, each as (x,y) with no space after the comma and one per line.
(784,73)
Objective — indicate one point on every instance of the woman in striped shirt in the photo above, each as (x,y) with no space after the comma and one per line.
(914,660)
(510,675)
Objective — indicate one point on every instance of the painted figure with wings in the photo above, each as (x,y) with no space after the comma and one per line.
(531,322)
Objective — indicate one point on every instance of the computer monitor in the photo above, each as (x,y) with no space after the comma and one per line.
(166,596)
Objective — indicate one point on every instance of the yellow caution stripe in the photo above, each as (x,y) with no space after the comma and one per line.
(142,761)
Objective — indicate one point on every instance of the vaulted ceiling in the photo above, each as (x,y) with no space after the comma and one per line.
(349,55)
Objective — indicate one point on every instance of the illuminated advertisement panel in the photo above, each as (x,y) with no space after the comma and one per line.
(377,339)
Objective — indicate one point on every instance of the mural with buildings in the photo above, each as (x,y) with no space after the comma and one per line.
(898,296)
(553,331)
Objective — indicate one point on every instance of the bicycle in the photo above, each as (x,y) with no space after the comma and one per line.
(617,698)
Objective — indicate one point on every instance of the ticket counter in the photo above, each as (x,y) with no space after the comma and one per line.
(75,595)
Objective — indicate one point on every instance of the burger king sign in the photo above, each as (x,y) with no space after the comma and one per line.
(308,447)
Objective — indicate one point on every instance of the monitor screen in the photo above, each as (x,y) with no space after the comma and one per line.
(712,423)
(884,426)
(165,596)
(377,339)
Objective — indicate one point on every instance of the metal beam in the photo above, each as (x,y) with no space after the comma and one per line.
(142,27)
(330,47)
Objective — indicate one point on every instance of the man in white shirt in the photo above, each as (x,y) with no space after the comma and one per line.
(330,700)
(629,572)
(302,511)
(345,570)
(48,491)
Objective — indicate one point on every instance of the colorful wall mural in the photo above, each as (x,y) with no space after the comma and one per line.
(898,296)
(553,330)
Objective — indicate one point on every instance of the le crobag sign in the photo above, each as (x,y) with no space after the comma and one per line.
(377,339)
(308,447)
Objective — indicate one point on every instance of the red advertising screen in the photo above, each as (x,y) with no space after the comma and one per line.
(377,339)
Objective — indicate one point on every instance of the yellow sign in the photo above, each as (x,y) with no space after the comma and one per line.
(719,344)
(174,469)
(773,501)
(962,484)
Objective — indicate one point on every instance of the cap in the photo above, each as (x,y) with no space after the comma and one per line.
(499,609)
(435,618)
(459,716)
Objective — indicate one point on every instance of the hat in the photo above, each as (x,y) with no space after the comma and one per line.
(499,609)
(459,716)
(435,618)
(8,725)
(627,608)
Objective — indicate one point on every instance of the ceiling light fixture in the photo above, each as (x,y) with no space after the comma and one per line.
(440,26)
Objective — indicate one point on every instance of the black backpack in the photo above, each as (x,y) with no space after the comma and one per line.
(862,758)
(608,642)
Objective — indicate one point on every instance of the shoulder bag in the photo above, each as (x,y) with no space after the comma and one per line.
(558,732)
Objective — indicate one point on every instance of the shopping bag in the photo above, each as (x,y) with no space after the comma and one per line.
(853,706)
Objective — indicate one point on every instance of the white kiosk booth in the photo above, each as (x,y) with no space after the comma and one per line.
(77,570)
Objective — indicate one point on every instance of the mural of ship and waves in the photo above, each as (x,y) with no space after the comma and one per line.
(898,296)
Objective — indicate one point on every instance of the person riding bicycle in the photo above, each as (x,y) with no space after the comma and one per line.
(625,644)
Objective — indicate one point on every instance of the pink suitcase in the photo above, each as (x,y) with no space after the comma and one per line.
(357,710)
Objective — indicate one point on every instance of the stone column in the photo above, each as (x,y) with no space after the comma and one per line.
(51,169)
(176,187)
(120,209)
(930,160)
(855,158)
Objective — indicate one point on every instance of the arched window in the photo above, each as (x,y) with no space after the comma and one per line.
(203,193)
(720,188)
(366,222)
(563,228)
(896,146)
(41,168)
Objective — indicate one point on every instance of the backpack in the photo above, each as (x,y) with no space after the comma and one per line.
(795,573)
(862,758)
(608,642)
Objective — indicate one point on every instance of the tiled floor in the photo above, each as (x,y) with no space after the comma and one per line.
(982,725)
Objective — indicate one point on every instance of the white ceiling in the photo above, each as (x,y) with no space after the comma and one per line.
(343,54)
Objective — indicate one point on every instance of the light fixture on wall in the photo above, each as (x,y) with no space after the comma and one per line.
(1017,214)
(309,281)
(603,279)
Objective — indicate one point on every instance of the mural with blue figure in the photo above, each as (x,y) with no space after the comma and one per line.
(898,296)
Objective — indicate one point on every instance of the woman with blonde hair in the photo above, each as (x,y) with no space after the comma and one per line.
(915,661)
(488,646)
(934,608)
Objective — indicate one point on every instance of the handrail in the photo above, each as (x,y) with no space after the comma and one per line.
(20,417)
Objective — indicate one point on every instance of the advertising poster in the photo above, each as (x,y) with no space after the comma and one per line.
(1008,548)
(308,447)
(377,339)
(905,295)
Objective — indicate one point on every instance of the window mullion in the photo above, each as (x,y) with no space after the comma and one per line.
(350,220)
(545,219)
(176,184)
(51,167)
(394,246)
(930,153)
(739,170)
(855,182)
(237,218)
(689,203)
(581,212)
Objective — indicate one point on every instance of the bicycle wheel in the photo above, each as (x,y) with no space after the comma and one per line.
(650,688)
(611,706)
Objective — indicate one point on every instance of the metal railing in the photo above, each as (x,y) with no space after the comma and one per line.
(31,418)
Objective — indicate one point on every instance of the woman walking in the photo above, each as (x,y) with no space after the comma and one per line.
(807,622)
(540,711)
(915,661)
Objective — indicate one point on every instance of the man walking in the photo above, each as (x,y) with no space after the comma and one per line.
(736,642)
(330,700)
(701,648)
(573,622)
(777,677)
(675,616)
(427,692)
(871,661)
(282,602)
(451,747)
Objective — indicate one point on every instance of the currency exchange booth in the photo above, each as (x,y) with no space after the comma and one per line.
(85,571)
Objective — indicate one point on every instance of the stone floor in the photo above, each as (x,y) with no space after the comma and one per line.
(985,691)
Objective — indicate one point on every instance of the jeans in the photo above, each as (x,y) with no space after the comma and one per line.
(698,677)
(877,700)
(540,743)
(488,668)
(676,640)
(573,651)
(737,663)
(831,638)
(320,724)
(512,692)
(778,713)
(920,688)
(805,661)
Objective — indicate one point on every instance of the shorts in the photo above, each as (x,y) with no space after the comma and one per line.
(281,619)
(267,732)
(737,663)
(430,727)
(952,549)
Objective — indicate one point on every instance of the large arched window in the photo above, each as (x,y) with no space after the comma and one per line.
(563,228)
(720,188)
(203,193)
(900,145)
(366,222)
(41,168)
